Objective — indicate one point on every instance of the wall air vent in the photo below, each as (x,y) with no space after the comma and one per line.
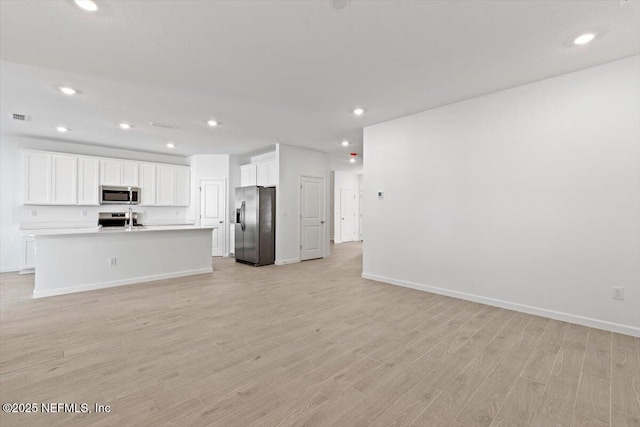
(21,117)
(163,125)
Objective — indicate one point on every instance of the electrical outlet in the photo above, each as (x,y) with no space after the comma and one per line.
(33,213)
(83,213)
(113,261)
(618,293)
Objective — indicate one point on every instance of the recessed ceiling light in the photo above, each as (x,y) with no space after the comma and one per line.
(67,90)
(62,129)
(88,5)
(358,111)
(171,145)
(125,126)
(352,160)
(345,143)
(212,123)
(584,39)
(340,4)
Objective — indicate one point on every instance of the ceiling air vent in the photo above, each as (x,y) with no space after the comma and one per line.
(21,117)
(163,125)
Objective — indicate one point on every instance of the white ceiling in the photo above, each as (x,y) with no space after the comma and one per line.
(280,71)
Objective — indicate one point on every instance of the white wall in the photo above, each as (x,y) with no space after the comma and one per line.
(344,181)
(210,166)
(12,212)
(528,198)
(295,162)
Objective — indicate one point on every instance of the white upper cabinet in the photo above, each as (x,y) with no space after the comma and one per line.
(50,178)
(110,170)
(166,182)
(67,179)
(173,186)
(129,174)
(147,183)
(264,174)
(267,174)
(37,178)
(118,172)
(64,179)
(248,175)
(88,181)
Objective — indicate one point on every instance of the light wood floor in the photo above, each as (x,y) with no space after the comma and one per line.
(309,344)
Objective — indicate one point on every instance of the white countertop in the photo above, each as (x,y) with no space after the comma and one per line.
(115,230)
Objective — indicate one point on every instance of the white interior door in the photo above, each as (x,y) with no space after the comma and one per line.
(312,218)
(212,212)
(347,215)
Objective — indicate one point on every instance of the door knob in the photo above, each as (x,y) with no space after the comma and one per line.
(221,222)
(321,222)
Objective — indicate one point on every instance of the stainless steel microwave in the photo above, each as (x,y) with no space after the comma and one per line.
(119,195)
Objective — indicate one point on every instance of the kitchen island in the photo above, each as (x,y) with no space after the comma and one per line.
(103,258)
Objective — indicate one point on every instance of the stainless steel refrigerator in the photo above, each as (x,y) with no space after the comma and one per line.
(255,225)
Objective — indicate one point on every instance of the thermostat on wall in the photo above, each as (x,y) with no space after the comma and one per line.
(380,195)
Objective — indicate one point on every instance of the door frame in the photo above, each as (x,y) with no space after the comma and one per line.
(225,183)
(360,200)
(324,210)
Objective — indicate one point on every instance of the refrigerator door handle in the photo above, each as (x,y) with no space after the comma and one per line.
(243,224)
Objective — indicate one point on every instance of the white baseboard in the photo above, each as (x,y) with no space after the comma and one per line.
(288,261)
(538,311)
(114,283)
(9,269)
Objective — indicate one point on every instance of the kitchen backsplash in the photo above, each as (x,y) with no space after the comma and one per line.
(151,215)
